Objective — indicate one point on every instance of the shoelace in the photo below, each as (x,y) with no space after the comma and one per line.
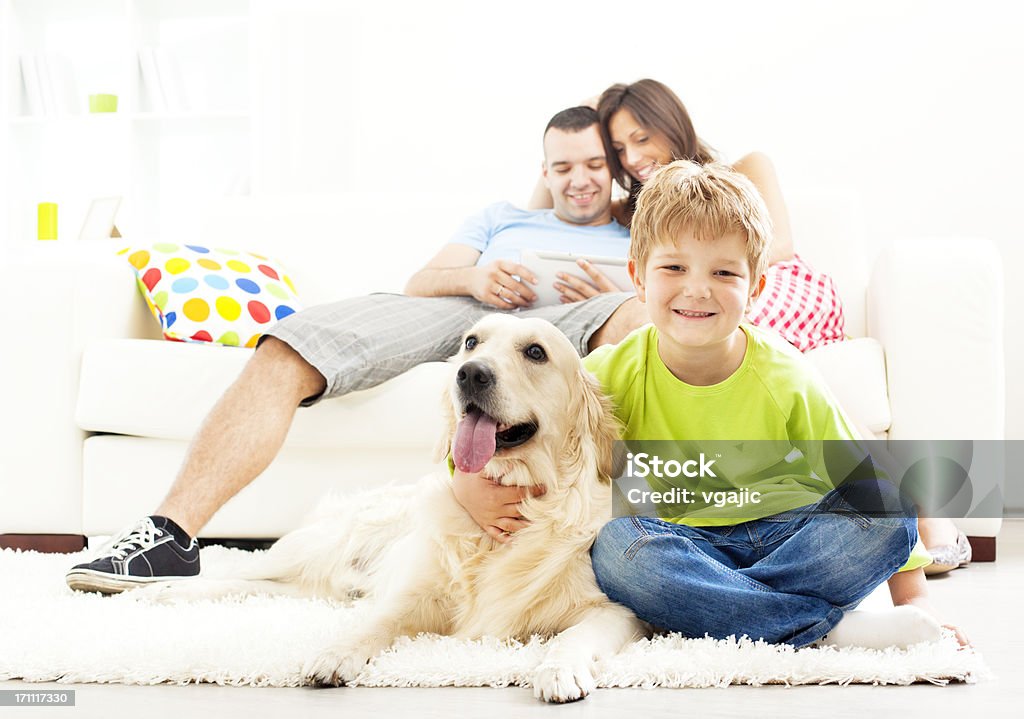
(141,535)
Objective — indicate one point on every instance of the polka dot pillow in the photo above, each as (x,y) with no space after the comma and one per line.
(222,296)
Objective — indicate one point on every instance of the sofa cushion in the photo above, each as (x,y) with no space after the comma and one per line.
(123,475)
(199,294)
(855,372)
(163,390)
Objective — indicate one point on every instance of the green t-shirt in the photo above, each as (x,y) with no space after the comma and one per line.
(775,394)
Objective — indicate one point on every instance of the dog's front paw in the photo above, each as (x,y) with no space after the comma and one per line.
(336,667)
(562,682)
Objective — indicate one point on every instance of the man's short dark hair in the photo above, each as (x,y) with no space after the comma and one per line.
(573,119)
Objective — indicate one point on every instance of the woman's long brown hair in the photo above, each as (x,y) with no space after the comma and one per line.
(658,110)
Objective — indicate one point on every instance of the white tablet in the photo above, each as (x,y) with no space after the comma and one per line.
(546,266)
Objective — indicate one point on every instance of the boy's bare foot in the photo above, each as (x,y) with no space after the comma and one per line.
(899,627)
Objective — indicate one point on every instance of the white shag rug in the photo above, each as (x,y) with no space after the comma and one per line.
(49,633)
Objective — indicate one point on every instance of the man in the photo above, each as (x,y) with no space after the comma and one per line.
(331,350)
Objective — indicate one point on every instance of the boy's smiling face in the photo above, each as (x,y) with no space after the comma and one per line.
(697,292)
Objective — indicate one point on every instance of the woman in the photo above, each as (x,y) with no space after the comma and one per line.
(644,125)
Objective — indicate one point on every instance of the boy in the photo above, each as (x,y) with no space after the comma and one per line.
(698,253)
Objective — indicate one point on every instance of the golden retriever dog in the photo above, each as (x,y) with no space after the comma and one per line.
(521,410)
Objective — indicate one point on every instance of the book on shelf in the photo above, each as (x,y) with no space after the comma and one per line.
(33,88)
(151,80)
(65,88)
(161,77)
(50,87)
(171,81)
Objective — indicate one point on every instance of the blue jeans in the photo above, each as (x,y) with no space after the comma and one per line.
(787,578)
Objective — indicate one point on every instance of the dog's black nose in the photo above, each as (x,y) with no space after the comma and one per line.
(474,377)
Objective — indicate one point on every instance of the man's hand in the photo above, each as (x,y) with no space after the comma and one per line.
(495,284)
(573,289)
(494,507)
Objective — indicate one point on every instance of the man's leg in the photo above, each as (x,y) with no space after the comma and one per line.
(242,434)
(325,351)
(602,319)
(627,317)
(238,439)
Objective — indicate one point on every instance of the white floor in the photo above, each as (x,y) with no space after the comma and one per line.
(985,599)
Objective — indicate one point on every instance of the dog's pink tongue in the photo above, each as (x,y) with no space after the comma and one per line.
(474,441)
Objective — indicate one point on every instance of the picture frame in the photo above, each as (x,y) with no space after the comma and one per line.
(99,220)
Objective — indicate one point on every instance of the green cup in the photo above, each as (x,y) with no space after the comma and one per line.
(102,103)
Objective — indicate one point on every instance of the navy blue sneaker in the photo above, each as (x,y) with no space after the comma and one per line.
(152,550)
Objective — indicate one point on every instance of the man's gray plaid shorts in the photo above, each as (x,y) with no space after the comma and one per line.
(360,342)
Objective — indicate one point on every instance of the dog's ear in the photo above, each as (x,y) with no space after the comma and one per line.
(444,440)
(593,428)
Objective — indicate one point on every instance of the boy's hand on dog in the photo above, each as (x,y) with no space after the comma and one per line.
(493,506)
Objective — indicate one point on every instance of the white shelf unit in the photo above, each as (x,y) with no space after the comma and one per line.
(168,162)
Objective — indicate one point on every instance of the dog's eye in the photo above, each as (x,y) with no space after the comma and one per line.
(536,353)
(471,342)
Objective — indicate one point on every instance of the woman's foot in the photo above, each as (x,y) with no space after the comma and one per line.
(947,557)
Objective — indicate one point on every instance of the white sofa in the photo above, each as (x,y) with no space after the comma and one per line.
(100,410)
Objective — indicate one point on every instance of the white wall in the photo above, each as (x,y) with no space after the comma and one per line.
(914,104)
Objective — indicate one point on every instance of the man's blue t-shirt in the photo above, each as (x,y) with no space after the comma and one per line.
(503,231)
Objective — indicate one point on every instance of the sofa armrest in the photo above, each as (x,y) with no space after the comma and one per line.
(40,447)
(107,302)
(55,299)
(937,308)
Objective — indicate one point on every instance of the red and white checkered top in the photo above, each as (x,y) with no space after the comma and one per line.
(799,303)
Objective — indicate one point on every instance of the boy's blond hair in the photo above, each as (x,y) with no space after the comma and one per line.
(711,201)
